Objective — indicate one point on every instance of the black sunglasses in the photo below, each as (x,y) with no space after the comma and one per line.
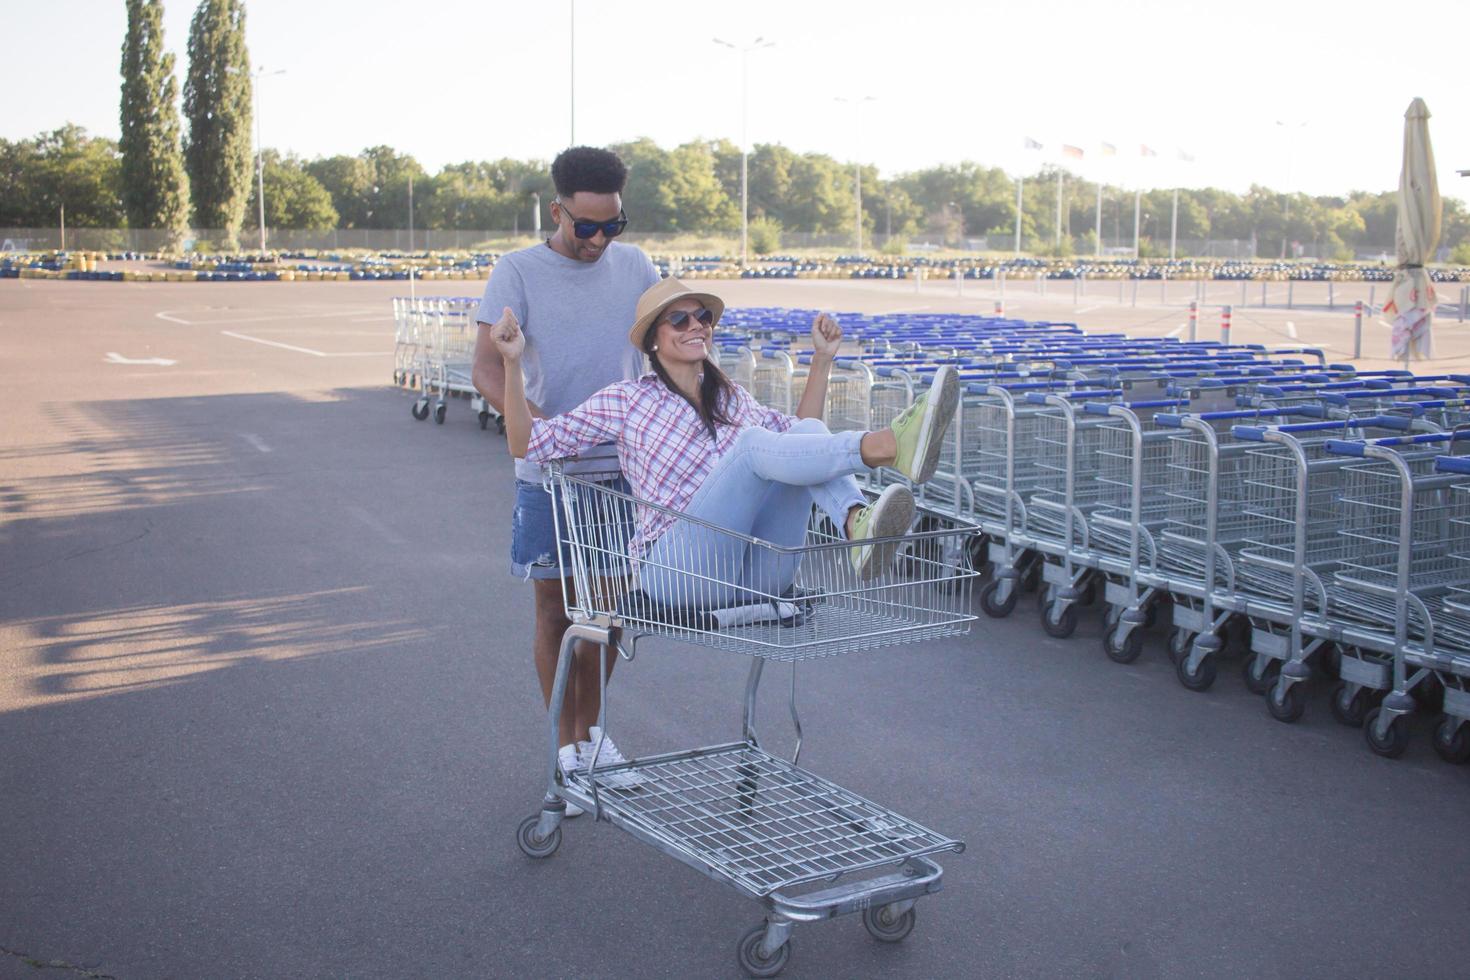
(682,320)
(586,229)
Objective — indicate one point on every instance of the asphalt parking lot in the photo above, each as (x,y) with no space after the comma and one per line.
(267,708)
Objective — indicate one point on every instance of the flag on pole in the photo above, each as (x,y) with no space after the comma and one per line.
(1031,144)
(1145,151)
(1186,157)
(1075,152)
(1109,150)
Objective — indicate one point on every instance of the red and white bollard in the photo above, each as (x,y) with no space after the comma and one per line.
(1000,308)
(1193,318)
(1358,330)
(1225,324)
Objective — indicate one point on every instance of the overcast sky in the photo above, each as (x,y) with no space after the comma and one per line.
(452,80)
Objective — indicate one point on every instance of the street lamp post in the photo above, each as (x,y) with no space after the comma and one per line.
(1291,130)
(259,159)
(857,169)
(755,45)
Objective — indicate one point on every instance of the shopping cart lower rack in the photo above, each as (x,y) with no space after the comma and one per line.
(803,847)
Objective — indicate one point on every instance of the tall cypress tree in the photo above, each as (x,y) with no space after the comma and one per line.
(155,188)
(217,105)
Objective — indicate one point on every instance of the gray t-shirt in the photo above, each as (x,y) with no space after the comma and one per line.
(576,317)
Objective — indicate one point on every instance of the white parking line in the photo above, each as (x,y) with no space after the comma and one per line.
(307,350)
(272,343)
(255,441)
(1176,331)
(1088,309)
(339,314)
(1291,329)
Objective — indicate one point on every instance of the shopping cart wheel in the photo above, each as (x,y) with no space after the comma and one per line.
(1263,680)
(421,409)
(1060,626)
(500,426)
(1286,702)
(751,960)
(997,608)
(484,421)
(1392,743)
(439,411)
(1180,640)
(1123,651)
(1350,704)
(1201,677)
(1452,740)
(886,927)
(530,844)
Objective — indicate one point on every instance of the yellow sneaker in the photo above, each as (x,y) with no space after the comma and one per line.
(887,517)
(919,429)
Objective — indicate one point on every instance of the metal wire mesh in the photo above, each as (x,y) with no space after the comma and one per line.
(734,592)
(759,821)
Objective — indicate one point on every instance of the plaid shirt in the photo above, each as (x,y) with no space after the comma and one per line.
(663,447)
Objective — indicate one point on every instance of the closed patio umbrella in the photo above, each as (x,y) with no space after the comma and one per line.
(1412,299)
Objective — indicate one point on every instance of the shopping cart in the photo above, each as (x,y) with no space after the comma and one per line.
(439,335)
(803,847)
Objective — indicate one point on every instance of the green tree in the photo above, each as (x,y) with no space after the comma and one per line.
(293,197)
(64,168)
(647,199)
(349,180)
(699,201)
(820,200)
(768,182)
(217,105)
(155,188)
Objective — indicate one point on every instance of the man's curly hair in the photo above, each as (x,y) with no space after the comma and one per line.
(588,168)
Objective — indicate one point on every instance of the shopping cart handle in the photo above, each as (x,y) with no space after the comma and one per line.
(1452,464)
(1422,439)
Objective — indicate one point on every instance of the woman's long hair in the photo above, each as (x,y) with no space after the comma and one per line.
(716,390)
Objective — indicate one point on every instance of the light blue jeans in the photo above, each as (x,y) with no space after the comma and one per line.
(764,487)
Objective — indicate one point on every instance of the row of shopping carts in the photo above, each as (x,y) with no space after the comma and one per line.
(433,353)
(1312,515)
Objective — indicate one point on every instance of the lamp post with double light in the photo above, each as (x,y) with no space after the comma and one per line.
(755,45)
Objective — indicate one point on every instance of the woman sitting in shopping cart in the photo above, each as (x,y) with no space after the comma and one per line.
(693,443)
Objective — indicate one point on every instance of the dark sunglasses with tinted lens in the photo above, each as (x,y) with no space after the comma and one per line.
(682,320)
(586,229)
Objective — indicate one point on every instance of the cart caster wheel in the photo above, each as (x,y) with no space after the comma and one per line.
(1288,705)
(1391,744)
(1031,581)
(484,421)
(885,927)
(997,608)
(1349,706)
(1263,682)
(1452,740)
(749,954)
(420,410)
(530,845)
(439,411)
(1201,677)
(1180,640)
(500,426)
(1061,626)
(1125,652)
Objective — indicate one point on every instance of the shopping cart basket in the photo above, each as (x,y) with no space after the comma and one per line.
(803,847)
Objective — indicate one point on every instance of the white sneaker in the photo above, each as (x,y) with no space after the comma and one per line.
(609,756)
(567,762)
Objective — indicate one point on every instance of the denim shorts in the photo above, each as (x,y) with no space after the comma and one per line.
(534,551)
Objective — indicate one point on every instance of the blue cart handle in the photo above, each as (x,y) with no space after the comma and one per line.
(1452,464)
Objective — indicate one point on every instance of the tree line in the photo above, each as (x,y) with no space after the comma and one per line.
(163,175)
(695,188)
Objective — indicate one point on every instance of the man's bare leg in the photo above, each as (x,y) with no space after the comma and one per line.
(551,626)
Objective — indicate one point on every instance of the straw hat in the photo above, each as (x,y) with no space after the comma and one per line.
(658,297)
